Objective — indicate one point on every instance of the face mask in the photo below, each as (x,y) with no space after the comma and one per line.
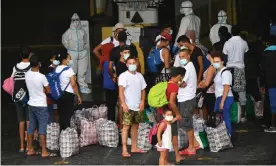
(183,62)
(126,56)
(171,32)
(168,118)
(56,62)
(182,11)
(70,63)
(216,65)
(132,67)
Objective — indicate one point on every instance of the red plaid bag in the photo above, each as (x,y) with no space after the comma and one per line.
(88,134)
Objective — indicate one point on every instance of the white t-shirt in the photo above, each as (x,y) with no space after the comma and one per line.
(133,84)
(36,82)
(235,48)
(21,65)
(65,78)
(176,61)
(108,40)
(222,79)
(189,92)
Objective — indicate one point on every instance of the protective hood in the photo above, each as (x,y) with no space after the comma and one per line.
(222,17)
(186,8)
(75,21)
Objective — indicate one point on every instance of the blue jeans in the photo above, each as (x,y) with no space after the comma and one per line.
(51,113)
(38,115)
(226,111)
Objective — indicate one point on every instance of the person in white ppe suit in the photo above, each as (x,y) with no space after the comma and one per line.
(74,40)
(214,36)
(190,24)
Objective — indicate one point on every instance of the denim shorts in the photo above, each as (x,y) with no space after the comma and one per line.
(38,116)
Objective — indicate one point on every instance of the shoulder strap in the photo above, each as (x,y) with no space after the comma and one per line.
(66,68)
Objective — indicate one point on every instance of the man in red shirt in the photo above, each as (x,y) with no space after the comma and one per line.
(177,75)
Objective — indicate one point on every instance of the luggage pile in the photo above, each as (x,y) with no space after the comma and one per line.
(88,127)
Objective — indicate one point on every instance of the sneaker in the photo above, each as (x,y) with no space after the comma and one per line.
(85,90)
(270,130)
(243,120)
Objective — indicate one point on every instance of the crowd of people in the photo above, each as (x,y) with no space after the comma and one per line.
(126,88)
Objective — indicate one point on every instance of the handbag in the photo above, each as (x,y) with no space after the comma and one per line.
(8,85)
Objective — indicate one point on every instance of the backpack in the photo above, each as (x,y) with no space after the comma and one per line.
(154,62)
(153,133)
(157,95)
(54,83)
(106,50)
(20,92)
(108,83)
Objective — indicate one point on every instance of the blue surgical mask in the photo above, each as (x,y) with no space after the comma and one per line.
(56,62)
(70,63)
(183,62)
(132,67)
(126,56)
(216,65)
(171,32)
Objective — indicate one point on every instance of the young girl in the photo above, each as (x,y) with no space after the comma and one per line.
(164,136)
(52,107)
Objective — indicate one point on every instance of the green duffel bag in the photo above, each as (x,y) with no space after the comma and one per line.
(235,112)
(201,138)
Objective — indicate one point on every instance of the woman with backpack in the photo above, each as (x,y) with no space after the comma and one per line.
(69,85)
(158,62)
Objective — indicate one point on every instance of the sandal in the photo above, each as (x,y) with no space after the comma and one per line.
(126,155)
(139,151)
(186,152)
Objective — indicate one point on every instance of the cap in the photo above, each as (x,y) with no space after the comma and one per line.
(187,4)
(118,26)
(166,36)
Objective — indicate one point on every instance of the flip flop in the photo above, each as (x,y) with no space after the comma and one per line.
(34,153)
(197,147)
(49,155)
(139,151)
(178,162)
(21,150)
(126,155)
(186,152)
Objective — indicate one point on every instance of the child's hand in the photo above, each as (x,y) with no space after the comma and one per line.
(160,144)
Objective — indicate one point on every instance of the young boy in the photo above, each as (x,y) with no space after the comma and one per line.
(132,96)
(38,112)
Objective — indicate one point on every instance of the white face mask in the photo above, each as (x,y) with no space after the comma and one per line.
(168,118)
(126,56)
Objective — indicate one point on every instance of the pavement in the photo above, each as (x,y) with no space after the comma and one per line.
(251,146)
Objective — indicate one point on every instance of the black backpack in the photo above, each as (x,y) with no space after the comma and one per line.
(231,71)
(20,92)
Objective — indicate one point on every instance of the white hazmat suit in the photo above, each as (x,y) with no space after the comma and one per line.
(222,17)
(190,24)
(74,40)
